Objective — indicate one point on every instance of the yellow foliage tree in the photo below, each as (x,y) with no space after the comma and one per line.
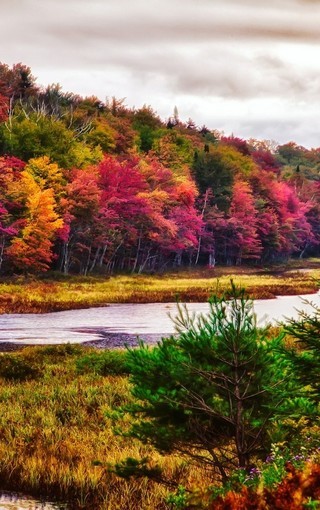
(31,251)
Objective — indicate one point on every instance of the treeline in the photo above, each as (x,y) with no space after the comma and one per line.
(90,186)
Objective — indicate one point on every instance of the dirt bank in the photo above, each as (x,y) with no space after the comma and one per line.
(109,341)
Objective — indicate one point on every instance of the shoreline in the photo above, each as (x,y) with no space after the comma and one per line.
(103,340)
(109,341)
(55,294)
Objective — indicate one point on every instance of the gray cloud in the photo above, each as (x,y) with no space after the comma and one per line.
(199,27)
(155,22)
(209,52)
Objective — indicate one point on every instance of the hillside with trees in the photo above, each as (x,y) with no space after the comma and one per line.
(91,186)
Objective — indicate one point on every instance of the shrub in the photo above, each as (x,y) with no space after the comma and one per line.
(103,363)
(213,392)
(299,489)
(61,351)
(14,367)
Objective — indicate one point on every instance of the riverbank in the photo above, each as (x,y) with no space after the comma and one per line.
(109,341)
(25,295)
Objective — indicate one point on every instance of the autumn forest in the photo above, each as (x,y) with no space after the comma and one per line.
(91,186)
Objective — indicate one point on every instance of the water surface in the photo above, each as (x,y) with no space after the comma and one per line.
(138,319)
(13,501)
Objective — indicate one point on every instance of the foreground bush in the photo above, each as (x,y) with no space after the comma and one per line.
(17,368)
(103,363)
(299,490)
(213,392)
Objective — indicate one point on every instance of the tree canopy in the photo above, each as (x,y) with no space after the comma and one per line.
(185,194)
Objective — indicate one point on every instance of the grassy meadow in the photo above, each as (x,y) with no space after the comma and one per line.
(55,293)
(56,439)
(57,442)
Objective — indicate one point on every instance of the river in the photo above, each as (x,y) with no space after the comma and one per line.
(12,501)
(136,319)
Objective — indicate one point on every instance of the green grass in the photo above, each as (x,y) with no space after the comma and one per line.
(23,295)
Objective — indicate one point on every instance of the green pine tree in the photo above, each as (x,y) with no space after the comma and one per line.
(212,392)
(305,354)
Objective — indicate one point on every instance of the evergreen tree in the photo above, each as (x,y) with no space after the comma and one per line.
(305,355)
(212,392)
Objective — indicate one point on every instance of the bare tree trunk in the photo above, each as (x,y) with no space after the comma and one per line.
(86,267)
(65,259)
(212,260)
(104,249)
(206,195)
(2,251)
(147,259)
(303,250)
(137,254)
(178,259)
(111,262)
(95,258)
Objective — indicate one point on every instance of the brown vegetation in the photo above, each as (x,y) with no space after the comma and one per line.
(299,490)
(40,296)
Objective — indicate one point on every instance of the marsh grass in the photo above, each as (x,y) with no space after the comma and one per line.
(56,439)
(37,296)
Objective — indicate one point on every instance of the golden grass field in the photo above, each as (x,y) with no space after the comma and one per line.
(57,441)
(23,295)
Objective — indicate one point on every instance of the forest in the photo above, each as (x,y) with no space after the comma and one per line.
(88,186)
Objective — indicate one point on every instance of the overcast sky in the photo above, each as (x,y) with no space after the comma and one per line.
(247,67)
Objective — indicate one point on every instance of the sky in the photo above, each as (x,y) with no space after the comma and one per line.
(250,68)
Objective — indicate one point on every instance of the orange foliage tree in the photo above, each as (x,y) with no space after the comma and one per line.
(31,250)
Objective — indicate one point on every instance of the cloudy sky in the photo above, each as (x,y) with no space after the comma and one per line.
(247,67)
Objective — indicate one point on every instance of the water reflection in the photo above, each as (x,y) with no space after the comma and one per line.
(13,501)
(138,319)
